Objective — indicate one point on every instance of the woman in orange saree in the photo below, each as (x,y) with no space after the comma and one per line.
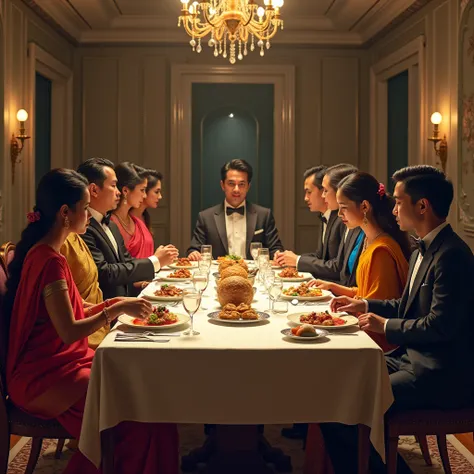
(48,361)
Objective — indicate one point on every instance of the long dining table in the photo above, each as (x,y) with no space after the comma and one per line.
(236,375)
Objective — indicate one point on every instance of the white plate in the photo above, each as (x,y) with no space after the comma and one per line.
(319,333)
(175,280)
(261,317)
(325,295)
(294,280)
(128,321)
(187,267)
(149,294)
(350,320)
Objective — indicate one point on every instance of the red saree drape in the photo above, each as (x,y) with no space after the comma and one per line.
(141,243)
(48,378)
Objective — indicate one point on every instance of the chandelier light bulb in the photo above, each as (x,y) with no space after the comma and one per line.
(436,118)
(184,2)
(260,12)
(278,3)
(212,11)
(22,115)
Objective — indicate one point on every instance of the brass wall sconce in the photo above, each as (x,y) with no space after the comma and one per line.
(441,150)
(18,142)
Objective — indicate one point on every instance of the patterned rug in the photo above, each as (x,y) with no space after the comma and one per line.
(462,461)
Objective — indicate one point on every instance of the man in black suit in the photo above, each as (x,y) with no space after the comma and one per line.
(117,269)
(231,226)
(327,262)
(430,322)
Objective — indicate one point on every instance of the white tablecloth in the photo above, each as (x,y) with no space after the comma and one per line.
(237,374)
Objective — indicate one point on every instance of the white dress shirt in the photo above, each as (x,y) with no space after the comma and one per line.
(236,228)
(98,217)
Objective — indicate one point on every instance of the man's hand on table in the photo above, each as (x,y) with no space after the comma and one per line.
(195,256)
(286,258)
(345,304)
(167,254)
(372,322)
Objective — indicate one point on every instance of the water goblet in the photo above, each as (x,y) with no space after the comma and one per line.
(200,282)
(191,303)
(205,263)
(275,292)
(254,247)
(206,250)
(268,282)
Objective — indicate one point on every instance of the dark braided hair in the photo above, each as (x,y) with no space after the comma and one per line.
(359,187)
(56,188)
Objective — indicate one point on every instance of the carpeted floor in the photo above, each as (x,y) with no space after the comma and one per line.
(462,461)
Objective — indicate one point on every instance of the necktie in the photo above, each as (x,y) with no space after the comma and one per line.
(323,219)
(420,243)
(106,219)
(239,210)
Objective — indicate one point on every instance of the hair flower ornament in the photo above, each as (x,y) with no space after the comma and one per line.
(33,216)
(381,192)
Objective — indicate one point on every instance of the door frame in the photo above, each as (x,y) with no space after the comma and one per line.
(182,78)
(61,77)
(410,57)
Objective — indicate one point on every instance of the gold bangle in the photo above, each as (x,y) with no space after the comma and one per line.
(107,317)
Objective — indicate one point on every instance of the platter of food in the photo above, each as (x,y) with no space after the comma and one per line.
(183,263)
(323,320)
(305,332)
(291,274)
(242,313)
(303,292)
(160,318)
(163,293)
(182,274)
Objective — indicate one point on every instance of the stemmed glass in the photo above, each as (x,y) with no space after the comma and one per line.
(254,247)
(275,292)
(206,250)
(191,303)
(263,259)
(205,263)
(200,282)
(268,282)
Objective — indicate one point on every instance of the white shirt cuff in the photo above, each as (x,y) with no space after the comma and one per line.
(297,261)
(385,326)
(156,263)
(366,305)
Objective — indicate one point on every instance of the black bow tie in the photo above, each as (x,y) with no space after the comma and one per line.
(106,219)
(323,219)
(420,243)
(240,210)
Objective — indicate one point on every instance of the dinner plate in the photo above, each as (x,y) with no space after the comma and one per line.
(350,320)
(175,280)
(128,321)
(295,280)
(261,317)
(149,294)
(325,295)
(319,333)
(187,267)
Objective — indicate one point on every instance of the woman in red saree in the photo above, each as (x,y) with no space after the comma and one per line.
(49,361)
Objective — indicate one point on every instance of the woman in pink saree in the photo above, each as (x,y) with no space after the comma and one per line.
(48,360)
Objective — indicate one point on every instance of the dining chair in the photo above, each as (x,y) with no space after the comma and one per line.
(422,423)
(14,421)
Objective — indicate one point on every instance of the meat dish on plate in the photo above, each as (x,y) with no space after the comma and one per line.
(321,319)
(181,273)
(160,316)
(169,291)
(303,290)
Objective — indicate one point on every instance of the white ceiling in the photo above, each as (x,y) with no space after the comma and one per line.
(325,22)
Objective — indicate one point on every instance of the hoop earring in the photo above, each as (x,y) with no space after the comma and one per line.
(66,222)
(365,221)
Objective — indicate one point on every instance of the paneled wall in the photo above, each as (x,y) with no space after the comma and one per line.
(123,106)
(20,27)
(438,23)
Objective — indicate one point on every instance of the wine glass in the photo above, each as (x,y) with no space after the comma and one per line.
(191,303)
(275,291)
(268,282)
(206,250)
(254,246)
(205,263)
(200,282)
(263,258)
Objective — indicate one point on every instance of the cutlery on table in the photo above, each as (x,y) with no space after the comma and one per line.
(120,338)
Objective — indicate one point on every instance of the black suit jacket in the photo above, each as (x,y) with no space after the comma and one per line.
(117,273)
(325,262)
(211,230)
(432,322)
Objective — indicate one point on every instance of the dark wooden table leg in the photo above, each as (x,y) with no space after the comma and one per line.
(107,447)
(363,450)
(201,455)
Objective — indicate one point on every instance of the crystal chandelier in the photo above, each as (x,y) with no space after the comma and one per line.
(231,24)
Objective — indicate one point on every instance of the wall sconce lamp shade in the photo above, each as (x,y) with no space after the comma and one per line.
(18,142)
(441,150)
